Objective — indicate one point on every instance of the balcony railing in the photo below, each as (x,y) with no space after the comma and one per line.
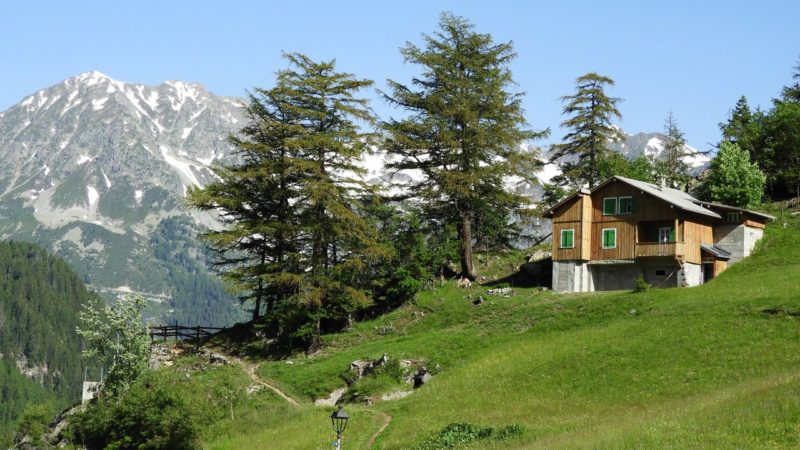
(645,249)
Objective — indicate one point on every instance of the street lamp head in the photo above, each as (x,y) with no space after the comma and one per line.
(339,420)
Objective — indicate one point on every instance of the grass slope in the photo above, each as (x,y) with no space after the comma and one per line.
(716,366)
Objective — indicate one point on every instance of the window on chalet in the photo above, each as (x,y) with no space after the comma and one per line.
(666,234)
(568,238)
(734,217)
(609,238)
(626,205)
(609,206)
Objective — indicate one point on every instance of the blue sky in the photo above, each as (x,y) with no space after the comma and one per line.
(693,57)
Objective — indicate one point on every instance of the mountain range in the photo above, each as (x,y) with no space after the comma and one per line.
(96,170)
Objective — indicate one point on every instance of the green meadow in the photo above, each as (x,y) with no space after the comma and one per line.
(715,366)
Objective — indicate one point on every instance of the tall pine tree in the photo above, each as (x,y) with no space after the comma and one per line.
(585,147)
(463,131)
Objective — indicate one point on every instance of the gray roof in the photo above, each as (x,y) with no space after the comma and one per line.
(716,251)
(675,197)
(735,208)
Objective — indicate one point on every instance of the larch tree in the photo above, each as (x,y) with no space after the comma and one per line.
(337,243)
(585,148)
(293,230)
(256,199)
(463,130)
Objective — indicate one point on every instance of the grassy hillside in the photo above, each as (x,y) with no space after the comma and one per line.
(716,366)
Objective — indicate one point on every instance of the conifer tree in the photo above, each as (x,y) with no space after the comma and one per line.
(745,128)
(791,93)
(672,167)
(463,130)
(256,201)
(293,230)
(585,147)
(337,241)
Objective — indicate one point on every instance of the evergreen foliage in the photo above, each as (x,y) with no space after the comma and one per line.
(791,93)
(197,297)
(642,168)
(463,131)
(117,339)
(295,232)
(772,138)
(733,179)
(585,147)
(39,302)
(673,168)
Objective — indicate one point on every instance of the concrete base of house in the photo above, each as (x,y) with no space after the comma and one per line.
(583,276)
(738,240)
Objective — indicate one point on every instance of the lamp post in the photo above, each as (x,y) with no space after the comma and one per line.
(339,422)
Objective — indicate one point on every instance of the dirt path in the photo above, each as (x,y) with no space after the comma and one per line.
(387,419)
(250,369)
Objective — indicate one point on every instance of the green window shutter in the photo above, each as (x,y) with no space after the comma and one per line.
(567,238)
(610,238)
(672,234)
(634,205)
(610,205)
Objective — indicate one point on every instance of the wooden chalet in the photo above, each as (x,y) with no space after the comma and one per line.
(604,239)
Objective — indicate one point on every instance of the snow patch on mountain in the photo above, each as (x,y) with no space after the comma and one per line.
(92,195)
(183,168)
(82,159)
(97,105)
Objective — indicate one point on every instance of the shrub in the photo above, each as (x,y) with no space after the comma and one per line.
(32,426)
(146,417)
(457,435)
(640,285)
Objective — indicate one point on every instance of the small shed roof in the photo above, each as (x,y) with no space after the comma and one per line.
(734,208)
(716,252)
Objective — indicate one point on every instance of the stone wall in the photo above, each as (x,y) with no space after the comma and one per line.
(691,275)
(571,276)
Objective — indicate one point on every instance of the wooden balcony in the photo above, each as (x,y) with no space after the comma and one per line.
(649,249)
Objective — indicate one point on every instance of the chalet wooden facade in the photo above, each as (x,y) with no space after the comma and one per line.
(604,239)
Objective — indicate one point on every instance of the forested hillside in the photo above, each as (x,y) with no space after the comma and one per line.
(40,297)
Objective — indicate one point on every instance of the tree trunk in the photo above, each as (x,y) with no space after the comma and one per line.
(314,345)
(467,269)
(257,308)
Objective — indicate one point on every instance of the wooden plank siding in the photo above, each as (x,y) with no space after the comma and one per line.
(570,216)
(646,208)
(584,214)
(697,233)
(754,224)
(586,224)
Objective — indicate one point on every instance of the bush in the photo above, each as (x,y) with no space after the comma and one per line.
(32,426)
(146,417)
(457,435)
(640,285)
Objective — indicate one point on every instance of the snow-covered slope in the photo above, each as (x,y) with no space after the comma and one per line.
(95,168)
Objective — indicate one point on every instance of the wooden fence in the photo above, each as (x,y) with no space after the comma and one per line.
(178,332)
